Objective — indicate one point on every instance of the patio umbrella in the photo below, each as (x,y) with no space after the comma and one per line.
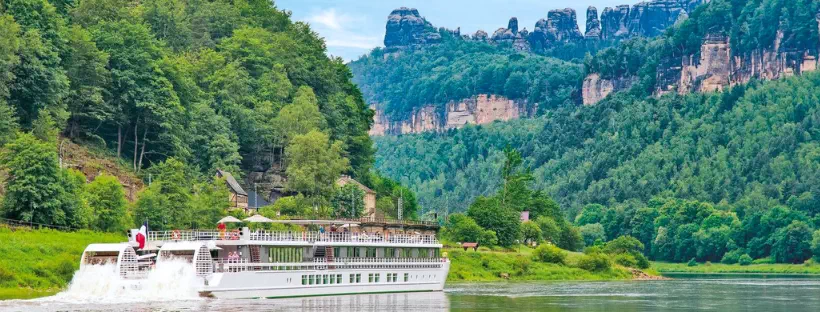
(258,219)
(229,219)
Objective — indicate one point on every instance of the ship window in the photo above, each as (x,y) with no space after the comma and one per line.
(388,252)
(304,279)
(377,277)
(352,278)
(406,276)
(358,278)
(370,277)
(338,278)
(324,279)
(310,280)
(332,279)
(371,252)
(349,252)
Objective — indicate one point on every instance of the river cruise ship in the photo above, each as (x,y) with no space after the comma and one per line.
(341,257)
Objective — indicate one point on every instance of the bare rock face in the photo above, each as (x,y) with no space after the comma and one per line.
(593,24)
(560,26)
(503,35)
(564,25)
(614,22)
(650,19)
(479,109)
(480,35)
(712,71)
(406,28)
(647,19)
(596,88)
(511,35)
(512,25)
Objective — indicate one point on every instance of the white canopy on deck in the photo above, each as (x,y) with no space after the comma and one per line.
(258,219)
(229,219)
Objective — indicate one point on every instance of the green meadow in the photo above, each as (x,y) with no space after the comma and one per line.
(36,263)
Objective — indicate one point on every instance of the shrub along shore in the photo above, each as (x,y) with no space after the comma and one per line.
(525,264)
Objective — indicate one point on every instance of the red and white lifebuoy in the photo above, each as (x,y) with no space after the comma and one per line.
(176,235)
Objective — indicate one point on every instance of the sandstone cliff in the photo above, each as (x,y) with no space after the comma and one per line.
(407,29)
(714,68)
(480,109)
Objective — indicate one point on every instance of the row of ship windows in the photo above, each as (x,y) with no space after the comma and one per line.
(330,279)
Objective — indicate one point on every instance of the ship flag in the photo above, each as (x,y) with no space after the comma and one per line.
(142,235)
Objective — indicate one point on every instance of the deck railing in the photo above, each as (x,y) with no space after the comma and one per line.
(306,237)
(338,263)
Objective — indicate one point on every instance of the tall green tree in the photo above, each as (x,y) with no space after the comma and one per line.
(792,244)
(348,201)
(36,186)
(166,203)
(89,83)
(106,197)
(211,201)
(314,164)
(490,214)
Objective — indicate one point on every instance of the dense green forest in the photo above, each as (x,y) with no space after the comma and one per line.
(458,69)
(752,26)
(174,90)
(728,176)
(751,151)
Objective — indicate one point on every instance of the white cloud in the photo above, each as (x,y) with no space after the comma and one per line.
(342,30)
(330,19)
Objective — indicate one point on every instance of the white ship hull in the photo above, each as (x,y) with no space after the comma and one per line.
(281,284)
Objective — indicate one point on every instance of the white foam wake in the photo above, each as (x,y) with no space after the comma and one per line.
(172,280)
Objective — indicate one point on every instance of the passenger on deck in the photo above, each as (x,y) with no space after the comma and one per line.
(221,228)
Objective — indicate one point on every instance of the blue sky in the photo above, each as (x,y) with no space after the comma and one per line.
(351,28)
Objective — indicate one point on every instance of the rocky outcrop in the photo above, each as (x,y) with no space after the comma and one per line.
(593,24)
(406,28)
(512,25)
(709,73)
(480,35)
(511,35)
(717,68)
(647,19)
(480,109)
(596,88)
(560,26)
(614,22)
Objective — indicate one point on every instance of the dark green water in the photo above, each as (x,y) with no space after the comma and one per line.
(715,293)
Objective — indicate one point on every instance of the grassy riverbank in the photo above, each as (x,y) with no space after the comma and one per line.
(720,268)
(489,265)
(36,263)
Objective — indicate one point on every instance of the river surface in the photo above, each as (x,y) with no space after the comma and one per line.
(699,293)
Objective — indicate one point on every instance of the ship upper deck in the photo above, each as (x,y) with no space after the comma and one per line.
(263,237)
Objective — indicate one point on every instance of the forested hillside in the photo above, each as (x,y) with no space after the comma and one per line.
(200,80)
(175,90)
(691,175)
(747,150)
(457,69)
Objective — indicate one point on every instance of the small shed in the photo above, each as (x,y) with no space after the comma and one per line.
(239,198)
